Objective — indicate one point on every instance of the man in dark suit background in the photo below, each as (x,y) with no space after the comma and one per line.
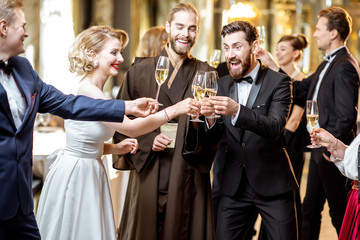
(22,95)
(335,87)
(257,175)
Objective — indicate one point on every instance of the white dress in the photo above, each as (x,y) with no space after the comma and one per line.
(75,202)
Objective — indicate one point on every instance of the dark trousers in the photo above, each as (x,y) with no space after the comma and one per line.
(324,182)
(20,227)
(218,167)
(236,214)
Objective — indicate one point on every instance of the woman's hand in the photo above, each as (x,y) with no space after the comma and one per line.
(129,145)
(320,136)
(266,58)
(187,106)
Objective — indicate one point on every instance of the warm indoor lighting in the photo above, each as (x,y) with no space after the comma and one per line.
(241,10)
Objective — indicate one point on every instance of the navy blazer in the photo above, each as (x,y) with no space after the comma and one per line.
(16,144)
(254,144)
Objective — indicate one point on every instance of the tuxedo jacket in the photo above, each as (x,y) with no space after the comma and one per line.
(16,144)
(254,143)
(337,97)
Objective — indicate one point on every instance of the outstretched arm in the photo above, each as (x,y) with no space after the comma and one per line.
(140,126)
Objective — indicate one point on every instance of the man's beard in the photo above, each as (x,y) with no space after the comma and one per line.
(245,65)
(181,50)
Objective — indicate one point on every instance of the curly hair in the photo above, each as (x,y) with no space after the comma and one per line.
(92,39)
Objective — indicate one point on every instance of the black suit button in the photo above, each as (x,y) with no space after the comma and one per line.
(19,160)
(243,145)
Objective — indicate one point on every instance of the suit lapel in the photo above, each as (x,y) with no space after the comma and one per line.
(254,92)
(321,67)
(233,93)
(338,54)
(255,89)
(4,103)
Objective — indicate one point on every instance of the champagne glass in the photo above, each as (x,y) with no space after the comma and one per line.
(161,73)
(198,89)
(211,86)
(312,116)
(215,58)
(262,36)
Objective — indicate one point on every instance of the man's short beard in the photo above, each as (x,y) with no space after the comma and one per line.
(180,51)
(245,68)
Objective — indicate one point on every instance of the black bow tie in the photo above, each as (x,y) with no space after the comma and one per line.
(6,67)
(328,57)
(247,79)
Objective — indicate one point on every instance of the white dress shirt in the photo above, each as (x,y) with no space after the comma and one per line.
(329,58)
(349,165)
(16,100)
(243,89)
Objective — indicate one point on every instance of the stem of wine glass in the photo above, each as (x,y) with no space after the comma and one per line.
(157,93)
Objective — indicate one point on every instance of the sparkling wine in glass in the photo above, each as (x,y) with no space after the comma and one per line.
(262,36)
(312,116)
(211,86)
(215,58)
(198,89)
(161,73)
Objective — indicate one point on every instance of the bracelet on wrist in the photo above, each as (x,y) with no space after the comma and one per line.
(332,148)
(166,115)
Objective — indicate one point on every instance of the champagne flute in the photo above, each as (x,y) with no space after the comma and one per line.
(161,74)
(198,89)
(262,36)
(211,87)
(215,58)
(312,116)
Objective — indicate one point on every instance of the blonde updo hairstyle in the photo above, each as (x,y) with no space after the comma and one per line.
(92,39)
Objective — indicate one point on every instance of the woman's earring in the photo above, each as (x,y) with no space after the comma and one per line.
(95,63)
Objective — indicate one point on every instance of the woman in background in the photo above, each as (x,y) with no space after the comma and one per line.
(76,202)
(152,42)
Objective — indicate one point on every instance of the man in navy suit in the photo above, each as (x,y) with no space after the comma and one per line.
(22,95)
(257,176)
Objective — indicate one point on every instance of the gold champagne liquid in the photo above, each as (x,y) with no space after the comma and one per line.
(161,75)
(312,119)
(198,92)
(214,64)
(210,92)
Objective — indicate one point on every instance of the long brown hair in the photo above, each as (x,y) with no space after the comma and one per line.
(152,42)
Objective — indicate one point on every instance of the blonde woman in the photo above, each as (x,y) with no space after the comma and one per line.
(76,201)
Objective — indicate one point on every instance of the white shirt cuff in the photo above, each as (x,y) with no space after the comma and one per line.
(234,119)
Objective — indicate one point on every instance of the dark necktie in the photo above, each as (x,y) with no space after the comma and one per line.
(247,79)
(6,67)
